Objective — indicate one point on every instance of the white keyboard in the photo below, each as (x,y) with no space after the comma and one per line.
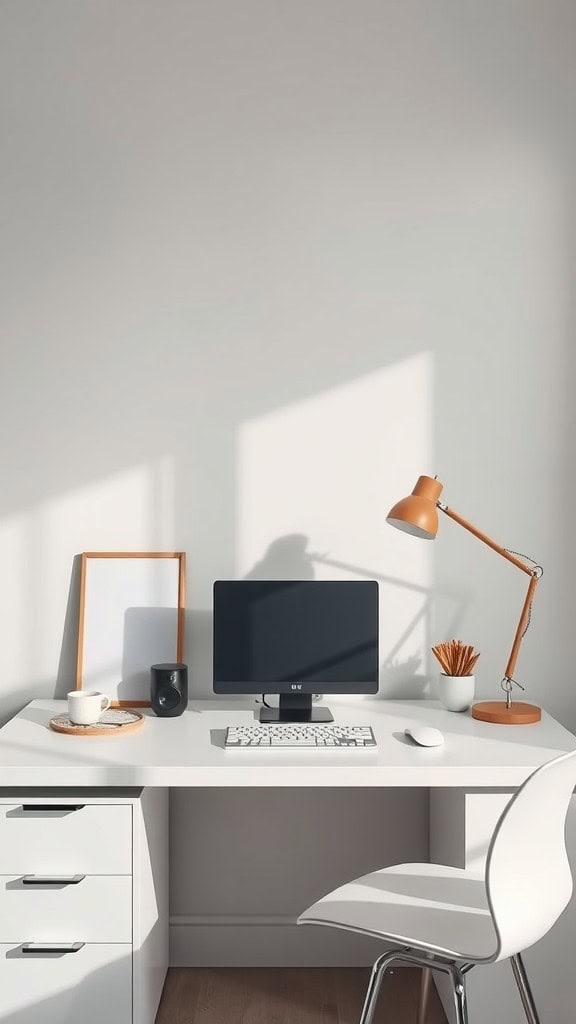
(299,735)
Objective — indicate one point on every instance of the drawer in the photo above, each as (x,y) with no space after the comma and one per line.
(94,839)
(98,908)
(91,985)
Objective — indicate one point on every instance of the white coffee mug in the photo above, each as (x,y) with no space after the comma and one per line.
(86,706)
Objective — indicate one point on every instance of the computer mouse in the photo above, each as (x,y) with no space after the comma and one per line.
(425,735)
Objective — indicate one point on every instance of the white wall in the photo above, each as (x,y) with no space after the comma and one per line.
(262,264)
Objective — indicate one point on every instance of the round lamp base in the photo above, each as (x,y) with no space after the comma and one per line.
(497,712)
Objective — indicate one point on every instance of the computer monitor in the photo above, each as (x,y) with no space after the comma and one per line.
(295,638)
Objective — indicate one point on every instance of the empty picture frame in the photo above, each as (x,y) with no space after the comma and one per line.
(131,617)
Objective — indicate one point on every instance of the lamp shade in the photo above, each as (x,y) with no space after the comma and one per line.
(417,514)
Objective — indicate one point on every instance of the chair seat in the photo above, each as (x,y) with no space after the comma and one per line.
(432,907)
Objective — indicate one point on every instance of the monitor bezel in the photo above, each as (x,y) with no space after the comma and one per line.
(350,687)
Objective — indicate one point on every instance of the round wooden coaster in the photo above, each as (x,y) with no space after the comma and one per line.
(497,712)
(111,722)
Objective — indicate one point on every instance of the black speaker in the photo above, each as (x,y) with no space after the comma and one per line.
(169,689)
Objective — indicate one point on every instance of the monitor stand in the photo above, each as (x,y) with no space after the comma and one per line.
(295,707)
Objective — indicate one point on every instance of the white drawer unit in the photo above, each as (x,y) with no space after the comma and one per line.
(95,908)
(65,836)
(83,906)
(91,985)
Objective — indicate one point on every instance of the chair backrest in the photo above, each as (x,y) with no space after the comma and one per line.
(528,877)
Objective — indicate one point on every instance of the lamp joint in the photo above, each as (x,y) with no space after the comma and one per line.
(506,685)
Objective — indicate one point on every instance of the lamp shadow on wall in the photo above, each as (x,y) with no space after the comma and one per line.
(402,675)
(288,557)
(285,558)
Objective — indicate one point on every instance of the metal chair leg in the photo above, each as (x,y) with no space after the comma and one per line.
(459,989)
(425,979)
(378,971)
(524,990)
(415,958)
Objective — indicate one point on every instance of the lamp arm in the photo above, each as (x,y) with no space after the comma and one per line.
(534,572)
(485,538)
(521,628)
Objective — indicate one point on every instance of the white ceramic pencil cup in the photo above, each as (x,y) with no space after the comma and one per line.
(456,692)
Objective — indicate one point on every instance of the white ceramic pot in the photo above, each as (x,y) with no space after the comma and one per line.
(456,692)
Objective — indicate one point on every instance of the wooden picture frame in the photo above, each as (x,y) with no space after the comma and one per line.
(131,617)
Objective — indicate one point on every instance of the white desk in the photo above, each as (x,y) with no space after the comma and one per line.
(470,779)
(189,751)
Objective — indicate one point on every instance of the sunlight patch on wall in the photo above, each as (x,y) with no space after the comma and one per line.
(132,510)
(315,482)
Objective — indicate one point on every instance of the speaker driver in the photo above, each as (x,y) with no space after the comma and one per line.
(169,689)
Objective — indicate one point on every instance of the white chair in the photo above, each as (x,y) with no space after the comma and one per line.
(450,919)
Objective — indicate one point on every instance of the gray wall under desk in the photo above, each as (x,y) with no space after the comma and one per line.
(246,862)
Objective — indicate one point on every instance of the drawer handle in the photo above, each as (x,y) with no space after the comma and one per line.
(52,879)
(51,947)
(51,807)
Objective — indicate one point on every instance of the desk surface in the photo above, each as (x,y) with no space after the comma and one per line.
(189,751)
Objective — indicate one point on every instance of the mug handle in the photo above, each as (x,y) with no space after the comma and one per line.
(105,703)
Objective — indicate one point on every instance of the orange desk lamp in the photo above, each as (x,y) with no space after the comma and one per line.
(417,514)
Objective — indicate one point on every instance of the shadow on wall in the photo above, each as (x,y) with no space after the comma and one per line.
(401,676)
(286,558)
(67,663)
(289,557)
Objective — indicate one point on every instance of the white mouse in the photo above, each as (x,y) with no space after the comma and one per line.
(425,735)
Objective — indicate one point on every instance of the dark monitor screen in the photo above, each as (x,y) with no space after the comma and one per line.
(272,635)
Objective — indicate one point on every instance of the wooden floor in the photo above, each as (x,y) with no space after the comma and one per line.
(288,995)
